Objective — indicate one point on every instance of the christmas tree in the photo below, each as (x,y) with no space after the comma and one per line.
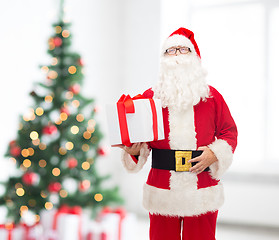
(58,141)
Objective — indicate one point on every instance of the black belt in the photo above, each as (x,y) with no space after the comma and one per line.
(176,160)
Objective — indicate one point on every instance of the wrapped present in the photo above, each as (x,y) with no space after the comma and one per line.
(117,224)
(136,119)
(32,232)
(63,224)
(11,232)
(96,231)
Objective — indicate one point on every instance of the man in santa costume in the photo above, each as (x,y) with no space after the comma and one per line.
(183,191)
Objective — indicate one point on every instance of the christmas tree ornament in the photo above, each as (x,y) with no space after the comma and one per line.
(57,41)
(75,89)
(54,187)
(102,151)
(80,62)
(84,185)
(50,129)
(15,151)
(72,162)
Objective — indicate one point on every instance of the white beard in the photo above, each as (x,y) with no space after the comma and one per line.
(182,82)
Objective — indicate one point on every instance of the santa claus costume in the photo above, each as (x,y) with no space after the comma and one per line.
(181,202)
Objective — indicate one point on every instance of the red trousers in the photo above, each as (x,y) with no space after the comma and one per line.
(193,228)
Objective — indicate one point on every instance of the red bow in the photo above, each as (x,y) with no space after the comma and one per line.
(126,105)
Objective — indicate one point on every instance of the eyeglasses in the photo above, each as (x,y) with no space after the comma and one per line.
(173,50)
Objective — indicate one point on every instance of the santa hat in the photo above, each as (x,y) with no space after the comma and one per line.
(182,37)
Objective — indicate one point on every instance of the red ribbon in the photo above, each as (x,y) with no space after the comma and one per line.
(27,230)
(121,212)
(9,228)
(64,209)
(126,105)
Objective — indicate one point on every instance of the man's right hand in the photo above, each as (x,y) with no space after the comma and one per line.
(133,150)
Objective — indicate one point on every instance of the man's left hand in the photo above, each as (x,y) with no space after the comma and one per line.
(204,160)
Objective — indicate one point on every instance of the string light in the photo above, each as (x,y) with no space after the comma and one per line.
(56,172)
(52,74)
(31,151)
(23,209)
(63,116)
(80,117)
(85,165)
(34,135)
(42,146)
(69,145)
(54,61)
(69,95)
(18,185)
(44,69)
(42,163)
(66,33)
(48,205)
(92,123)
(74,129)
(43,194)
(85,147)
(62,151)
(87,135)
(76,103)
(26,163)
(37,218)
(20,192)
(48,98)
(25,152)
(63,193)
(98,197)
(39,111)
(51,44)
(36,142)
(72,69)
(90,129)
(58,29)
(58,121)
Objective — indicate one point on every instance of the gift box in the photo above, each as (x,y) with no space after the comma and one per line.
(62,224)
(135,119)
(113,225)
(11,232)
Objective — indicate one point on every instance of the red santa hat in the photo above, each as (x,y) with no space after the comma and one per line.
(182,37)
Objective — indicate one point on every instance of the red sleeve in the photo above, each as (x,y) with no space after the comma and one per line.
(225,126)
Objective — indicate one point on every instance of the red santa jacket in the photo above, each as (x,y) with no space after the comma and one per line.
(209,123)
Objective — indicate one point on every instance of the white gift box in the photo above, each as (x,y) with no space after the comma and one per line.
(17,233)
(139,124)
(67,226)
(110,224)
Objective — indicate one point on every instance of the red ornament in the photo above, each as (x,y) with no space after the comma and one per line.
(72,162)
(104,236)
(15,150)
(84,185)
(75,89)
(96,109)
(65,110)
(54,187)
(80,62)
(30,178)
(102,151)
(57,41)
(13,143)
(49,130)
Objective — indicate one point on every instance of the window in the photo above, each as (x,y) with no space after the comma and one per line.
(238,40)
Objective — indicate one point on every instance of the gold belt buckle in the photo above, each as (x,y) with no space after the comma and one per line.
(179,156)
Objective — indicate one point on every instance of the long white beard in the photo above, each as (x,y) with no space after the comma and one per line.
(182,82)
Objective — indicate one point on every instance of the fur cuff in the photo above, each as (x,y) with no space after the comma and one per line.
(224,154)
(129,163)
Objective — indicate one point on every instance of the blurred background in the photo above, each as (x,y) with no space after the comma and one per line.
(120,42)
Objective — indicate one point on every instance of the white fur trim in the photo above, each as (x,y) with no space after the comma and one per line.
(224,154)
(183,199)
(182,134)
(129,163)
(178,40)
